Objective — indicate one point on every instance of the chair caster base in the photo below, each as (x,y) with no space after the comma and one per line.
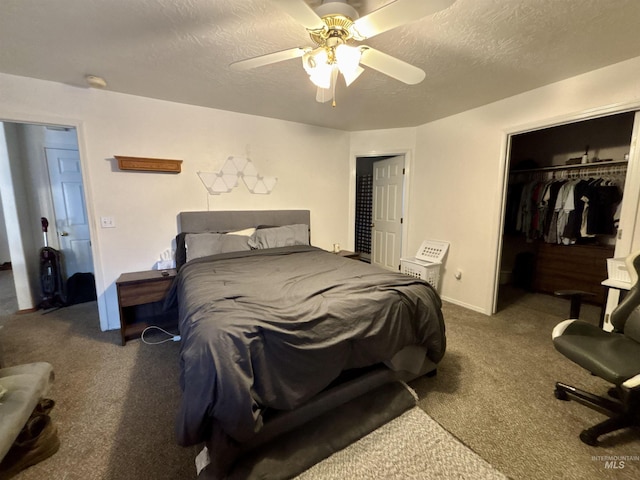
(561,394)
(589,438)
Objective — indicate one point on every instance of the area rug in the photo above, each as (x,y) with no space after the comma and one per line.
(294,452)
(412,446)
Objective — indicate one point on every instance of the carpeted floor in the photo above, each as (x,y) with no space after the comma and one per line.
(494,392)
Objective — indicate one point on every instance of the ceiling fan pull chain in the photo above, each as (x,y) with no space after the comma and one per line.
(334,80)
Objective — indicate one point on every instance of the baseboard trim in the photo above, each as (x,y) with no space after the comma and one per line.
(466,305)
(26,310)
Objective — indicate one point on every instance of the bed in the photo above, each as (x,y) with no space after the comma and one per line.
(275,331)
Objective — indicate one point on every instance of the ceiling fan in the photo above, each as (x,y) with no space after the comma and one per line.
(334,27)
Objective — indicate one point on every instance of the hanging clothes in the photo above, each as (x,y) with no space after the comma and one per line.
(565,205)
(603,203)
(563,211)
(571,231)
(551,217)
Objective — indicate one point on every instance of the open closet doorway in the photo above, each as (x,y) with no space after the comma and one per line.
(379,207)
(569,199)
(42,177)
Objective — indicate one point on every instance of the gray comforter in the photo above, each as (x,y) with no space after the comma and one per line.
(272,328)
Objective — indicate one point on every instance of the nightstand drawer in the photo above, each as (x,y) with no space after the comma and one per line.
(147,292)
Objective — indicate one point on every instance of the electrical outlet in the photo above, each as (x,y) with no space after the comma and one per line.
(107,222)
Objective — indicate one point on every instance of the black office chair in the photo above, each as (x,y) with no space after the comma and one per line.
(613,356)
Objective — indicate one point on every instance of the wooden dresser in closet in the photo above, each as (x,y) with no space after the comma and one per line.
(572,267)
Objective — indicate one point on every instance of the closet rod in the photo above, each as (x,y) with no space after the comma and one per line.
(614,163)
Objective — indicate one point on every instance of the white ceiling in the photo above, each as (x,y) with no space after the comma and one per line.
(474,52)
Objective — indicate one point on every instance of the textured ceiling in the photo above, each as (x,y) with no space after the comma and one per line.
(474,52)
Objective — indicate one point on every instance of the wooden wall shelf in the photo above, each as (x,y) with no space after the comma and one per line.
(148,164)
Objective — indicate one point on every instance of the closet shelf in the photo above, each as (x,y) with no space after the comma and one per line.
(573,167)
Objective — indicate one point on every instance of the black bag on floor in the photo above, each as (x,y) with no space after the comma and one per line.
(81,287)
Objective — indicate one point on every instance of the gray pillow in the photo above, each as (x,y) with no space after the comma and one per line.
(205,244)
(280,236)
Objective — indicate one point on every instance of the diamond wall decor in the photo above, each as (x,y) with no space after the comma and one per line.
(226,179)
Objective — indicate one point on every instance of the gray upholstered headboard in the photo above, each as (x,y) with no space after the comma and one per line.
(229,220)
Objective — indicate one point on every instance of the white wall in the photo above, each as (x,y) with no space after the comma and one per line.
(311,164)
(5,255)
(457,172)
(15,204)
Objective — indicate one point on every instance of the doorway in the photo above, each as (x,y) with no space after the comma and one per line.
(379,207)
(71,222)
(542,253)
(30,156)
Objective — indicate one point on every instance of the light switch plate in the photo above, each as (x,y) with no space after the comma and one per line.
(107,222)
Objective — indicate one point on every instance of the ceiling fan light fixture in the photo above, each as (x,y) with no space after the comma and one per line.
(323,95)
(313,59)
(335,23)
(348,59)
(318,66)
(350,77)
(322,77)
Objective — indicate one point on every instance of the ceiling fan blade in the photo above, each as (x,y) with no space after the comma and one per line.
(267,59)
(395,14)
(302,13)
(391,66)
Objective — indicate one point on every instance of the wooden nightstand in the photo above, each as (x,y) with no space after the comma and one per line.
(140,299)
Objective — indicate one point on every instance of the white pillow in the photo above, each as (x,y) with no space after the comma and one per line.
(247,232)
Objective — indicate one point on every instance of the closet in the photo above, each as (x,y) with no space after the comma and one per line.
(564,195)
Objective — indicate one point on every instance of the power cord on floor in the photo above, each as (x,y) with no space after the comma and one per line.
(172,337)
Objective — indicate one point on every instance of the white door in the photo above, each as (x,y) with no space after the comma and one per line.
(71,222)
(386,228)
(629,226)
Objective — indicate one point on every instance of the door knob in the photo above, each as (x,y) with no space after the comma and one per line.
(64,234)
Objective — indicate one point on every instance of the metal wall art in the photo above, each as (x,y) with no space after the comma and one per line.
(226,179)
